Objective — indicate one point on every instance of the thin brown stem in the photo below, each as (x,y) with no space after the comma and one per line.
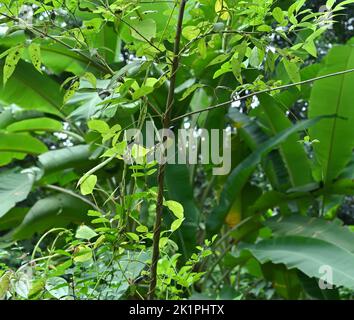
(162,167)
(286,86)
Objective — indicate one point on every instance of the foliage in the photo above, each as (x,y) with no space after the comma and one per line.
(277,75)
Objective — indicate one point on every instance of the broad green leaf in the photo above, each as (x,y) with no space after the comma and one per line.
(180,189)
(25,89)
(22,285)
(142,229)
(330,231)
(68,157)
(12,218)
(308,255)
(36,124)
(293,154)
(21,142)
(54,211)
(333,95)
(256,57)
(88,184)
(133,236)
(285,282)
(239,176)
(15,187)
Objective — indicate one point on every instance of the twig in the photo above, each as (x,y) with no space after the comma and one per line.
(97,64)
(286,86)
(161,171)
(73,194)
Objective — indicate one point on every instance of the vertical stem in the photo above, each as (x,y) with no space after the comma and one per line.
(161,171)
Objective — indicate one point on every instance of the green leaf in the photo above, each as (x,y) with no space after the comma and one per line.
(310,47)
(133,236)
(142,229)
(179,188)
(57,287)
(176,224)
(144,29)
(71,91)
(190,32)
(239,176)
(12,58)
(278,14)
(64,158)
(256,57)
(308,255)
(15,187)
(34,51)
(26,89)
(85,232)
(54,211)
(87,185)
(292,70)
(36,124)
(12,218)
(21,142)
(311,227)
(175,207)
(5,283)
(285,282)
(98,125)
(293,154)
(190,90)
(333,95)
(83,253)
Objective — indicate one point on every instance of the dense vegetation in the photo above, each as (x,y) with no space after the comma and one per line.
(77,221)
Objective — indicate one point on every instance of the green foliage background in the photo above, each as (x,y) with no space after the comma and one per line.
(77,222)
